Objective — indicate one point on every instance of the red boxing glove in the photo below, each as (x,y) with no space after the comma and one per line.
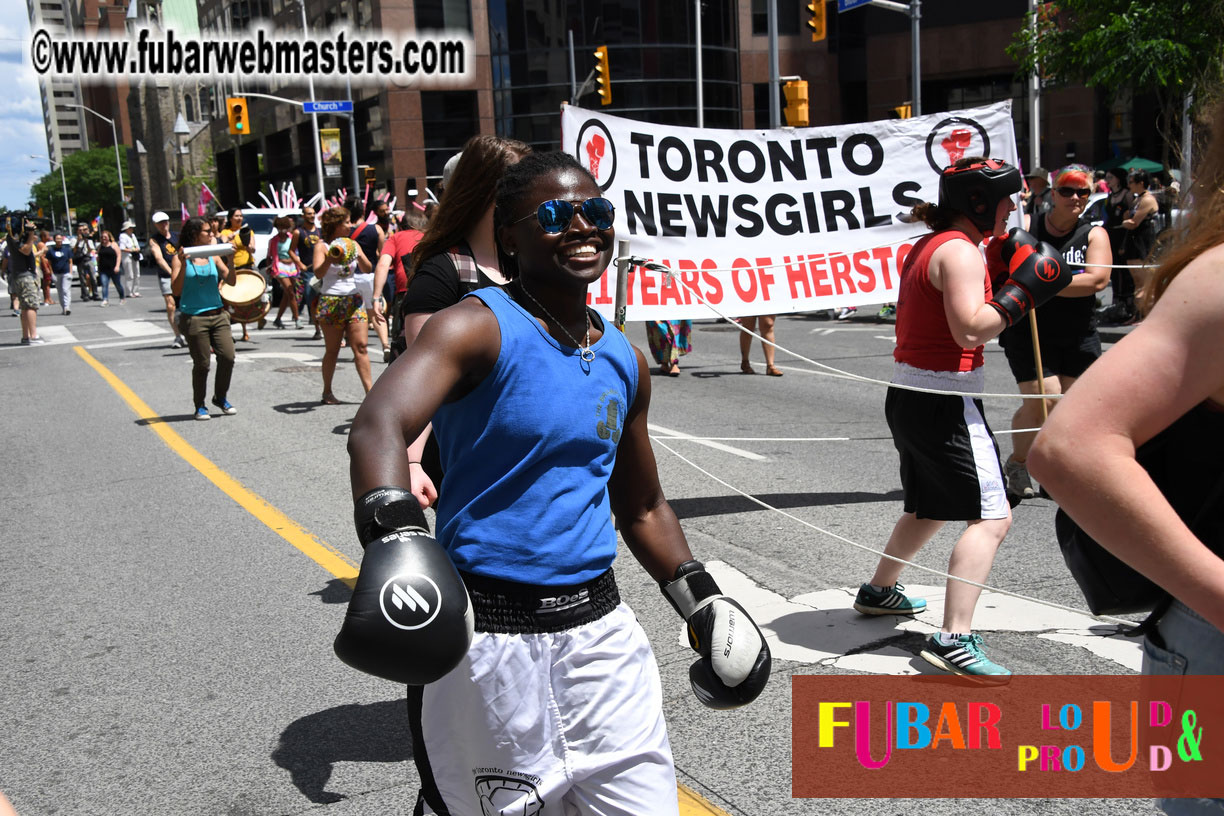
(1035,273)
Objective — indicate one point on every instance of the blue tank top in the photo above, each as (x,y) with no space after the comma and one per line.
(528,454)
(200,288)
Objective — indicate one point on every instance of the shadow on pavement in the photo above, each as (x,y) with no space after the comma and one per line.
(297,407)
(171,418)
(335,592)
(311,746)
(725,505)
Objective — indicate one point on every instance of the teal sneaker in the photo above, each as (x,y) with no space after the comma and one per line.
(872,601)
(964,656)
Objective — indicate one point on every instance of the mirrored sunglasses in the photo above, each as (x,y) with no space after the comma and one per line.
(555,216)
(1067,192)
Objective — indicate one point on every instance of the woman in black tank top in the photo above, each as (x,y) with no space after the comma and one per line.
(1166,378)
(1066,327)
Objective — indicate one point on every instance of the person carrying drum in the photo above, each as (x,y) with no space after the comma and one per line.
(241,237)
(202,318)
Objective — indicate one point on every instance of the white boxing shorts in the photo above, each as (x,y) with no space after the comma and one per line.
(566,723)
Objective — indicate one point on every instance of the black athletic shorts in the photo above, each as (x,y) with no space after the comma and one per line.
(950,467)
(1059,358)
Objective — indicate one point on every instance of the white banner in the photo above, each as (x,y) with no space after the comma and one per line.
(771,221)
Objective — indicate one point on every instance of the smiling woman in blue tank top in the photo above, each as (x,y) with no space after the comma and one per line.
(540,412)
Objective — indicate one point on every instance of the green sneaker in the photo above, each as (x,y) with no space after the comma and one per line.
(965,656)
(872,601)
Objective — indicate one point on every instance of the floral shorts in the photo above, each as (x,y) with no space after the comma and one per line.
(340,310)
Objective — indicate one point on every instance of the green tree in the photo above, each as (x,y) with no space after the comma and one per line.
(1168,48)
(92,182)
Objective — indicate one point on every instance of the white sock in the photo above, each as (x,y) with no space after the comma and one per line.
(948,638)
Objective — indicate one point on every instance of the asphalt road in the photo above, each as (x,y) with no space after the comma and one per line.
(168,651)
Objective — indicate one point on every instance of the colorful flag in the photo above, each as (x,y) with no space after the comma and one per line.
(97,222)
(201,209)
(183,212)
(206,195)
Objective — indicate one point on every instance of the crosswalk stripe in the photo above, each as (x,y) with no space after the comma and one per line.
(135,328)
(56,334)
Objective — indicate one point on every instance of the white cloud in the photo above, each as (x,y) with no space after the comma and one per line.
(21,120)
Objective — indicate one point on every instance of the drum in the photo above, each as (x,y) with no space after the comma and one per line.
(250,312)
(248,289)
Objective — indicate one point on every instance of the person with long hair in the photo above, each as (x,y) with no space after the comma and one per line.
(285,268)
(242,238)
(370,236)
(457,254)
(202,317)
(1066,331)
(541,411)
(1121,284)
(341,311)
(108,267)
(1166,379)
(948,308)
(1140,224)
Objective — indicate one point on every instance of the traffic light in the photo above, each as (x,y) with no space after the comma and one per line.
(904,111)
(369,173)
(603,78)
(239,120)
(796,92)
(817,20)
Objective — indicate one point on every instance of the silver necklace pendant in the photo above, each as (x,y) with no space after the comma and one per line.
(586,353)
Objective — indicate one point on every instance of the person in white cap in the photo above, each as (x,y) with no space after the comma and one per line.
(129,258)
(163,246)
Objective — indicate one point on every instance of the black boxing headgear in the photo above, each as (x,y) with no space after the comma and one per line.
(977,189)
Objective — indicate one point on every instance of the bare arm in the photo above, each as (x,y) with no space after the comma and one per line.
(363,263)
(644,517)
(1085,455)
(1094,278)
(1147,206)
(224,273)
(322,261)
(381,270)
(958,271)
(158,258)
(452,355)
(293,252)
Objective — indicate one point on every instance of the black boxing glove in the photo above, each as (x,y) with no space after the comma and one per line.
(1035,273)
(410,619)
(385,510)
(735,662)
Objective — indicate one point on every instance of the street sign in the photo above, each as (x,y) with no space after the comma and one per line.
(846,5)
(339,106)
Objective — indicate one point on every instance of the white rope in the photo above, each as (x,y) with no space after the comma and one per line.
(830,371)
(804,438)
(882,554)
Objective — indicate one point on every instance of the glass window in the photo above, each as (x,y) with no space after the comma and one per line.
(787,13)
(449,119)
(443,14)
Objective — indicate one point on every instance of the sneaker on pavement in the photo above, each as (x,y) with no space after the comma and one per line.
(25,341)
(225,407)
(178,343)
(844,312)
(1019,485)
(387,354)
(201,414)
(964,655)
(37,341)
(890,601)
(888,310)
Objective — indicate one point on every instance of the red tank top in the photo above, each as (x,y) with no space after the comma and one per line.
(923,337)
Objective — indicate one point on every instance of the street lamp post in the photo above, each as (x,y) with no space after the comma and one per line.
(63,183)
(314,117)
(115,138)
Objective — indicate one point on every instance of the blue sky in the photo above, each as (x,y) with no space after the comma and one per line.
(21,120)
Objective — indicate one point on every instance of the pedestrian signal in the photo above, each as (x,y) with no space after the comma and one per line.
(603,79)
(239,120)
(796,92)
(904,111)
(817,20)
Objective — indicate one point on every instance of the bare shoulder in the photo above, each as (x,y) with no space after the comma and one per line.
(954,260)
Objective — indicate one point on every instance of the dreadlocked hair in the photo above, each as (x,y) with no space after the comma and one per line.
(513,187)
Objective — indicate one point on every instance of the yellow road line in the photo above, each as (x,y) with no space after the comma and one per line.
(332,560)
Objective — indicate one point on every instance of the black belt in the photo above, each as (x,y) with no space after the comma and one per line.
(509,607)
(209,313)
